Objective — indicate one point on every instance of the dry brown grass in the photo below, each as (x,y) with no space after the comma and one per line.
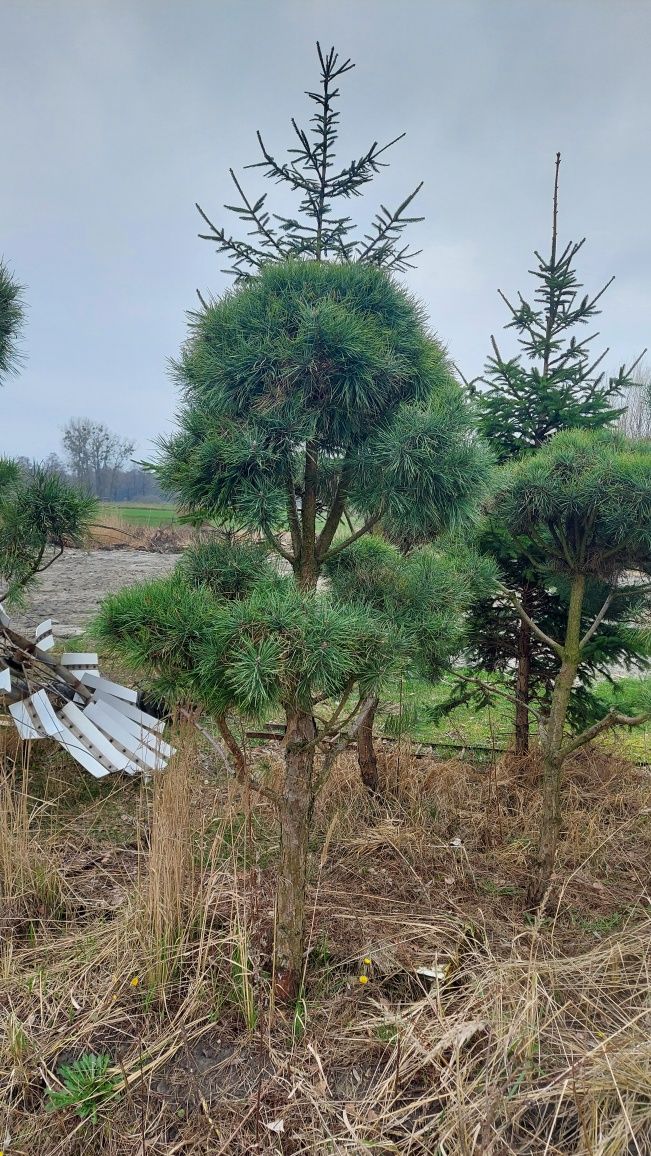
(31,885)
(112,532)
(534,1040)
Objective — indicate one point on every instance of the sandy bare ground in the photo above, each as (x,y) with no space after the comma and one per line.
(70,591)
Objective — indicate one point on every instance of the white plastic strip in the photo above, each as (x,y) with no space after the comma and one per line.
(5,679)
(102,684)
(78,663)
(43,635)
(144,735)
(35,717)
(26,720)
(4,617)
(80,753)
(46,713)
(90,737)
(139,716)
(111,722)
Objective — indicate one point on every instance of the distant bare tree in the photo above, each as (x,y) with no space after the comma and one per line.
(95,454)
(635,422)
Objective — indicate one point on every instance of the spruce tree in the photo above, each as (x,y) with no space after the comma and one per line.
(320,230)
(554,383)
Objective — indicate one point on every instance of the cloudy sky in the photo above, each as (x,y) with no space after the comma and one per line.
(117,115)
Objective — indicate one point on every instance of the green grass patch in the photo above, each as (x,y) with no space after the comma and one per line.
(413,701)
(153,515)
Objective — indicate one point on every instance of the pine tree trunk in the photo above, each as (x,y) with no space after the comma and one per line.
(550,826)
(522,682)
(295,814)
(551,743)
(366,756)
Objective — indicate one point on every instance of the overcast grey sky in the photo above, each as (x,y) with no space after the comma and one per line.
(117,116)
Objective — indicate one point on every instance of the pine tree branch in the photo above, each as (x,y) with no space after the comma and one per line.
(55,557)
(385,225)
(254,216)
(345,738)
(292,517)
(368,525)
(540,634)
(275,542)
(335,513)
(240,249)
(490,690)
(598,620)
(237,763)
(612,719)
(329,724)
(309,504)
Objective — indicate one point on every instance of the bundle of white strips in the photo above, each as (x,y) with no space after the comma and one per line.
(105,733)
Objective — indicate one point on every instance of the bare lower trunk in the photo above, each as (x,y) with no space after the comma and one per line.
(366,755)
(295,814)
(552,744)
(522,688)
(550,827)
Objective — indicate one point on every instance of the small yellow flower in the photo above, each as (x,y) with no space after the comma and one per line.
(135,981)
(367,961)
(363,979)
(113,998)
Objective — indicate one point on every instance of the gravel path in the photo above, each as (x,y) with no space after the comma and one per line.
(70,591)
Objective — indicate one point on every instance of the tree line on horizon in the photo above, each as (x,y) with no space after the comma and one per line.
(99,462)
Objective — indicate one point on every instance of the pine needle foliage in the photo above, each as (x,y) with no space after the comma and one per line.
(493,632)
(315,392)
(321,230)
(274,648)
(40,514)
(425,595)
(585,500)
(12,313)
(228,566)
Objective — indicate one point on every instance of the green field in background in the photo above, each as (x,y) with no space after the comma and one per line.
(154,515)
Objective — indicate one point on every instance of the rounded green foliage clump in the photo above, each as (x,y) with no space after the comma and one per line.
(229,568)
(585,499)
(274,647)
(335,357)
(314,342)
(423,596)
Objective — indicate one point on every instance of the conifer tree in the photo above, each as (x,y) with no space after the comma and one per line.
(585,500)
(316,406)
(321,230)
(554,383)
(39,513)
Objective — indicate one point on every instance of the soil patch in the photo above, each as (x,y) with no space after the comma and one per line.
(71,589)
